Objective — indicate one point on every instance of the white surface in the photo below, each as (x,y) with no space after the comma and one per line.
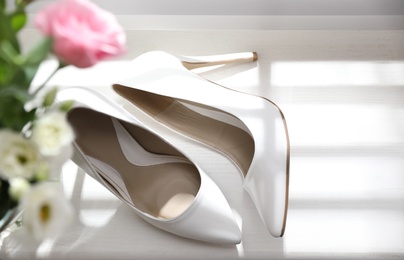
(342,93)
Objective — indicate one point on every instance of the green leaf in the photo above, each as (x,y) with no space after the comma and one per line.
(6,31)
(8,61)
(20,70)
(6,72)
(12,112)
(39,52)
(18,79)
(8,53)
(2,5)
(22,77)
(18,19)
(29,74)
(14,92)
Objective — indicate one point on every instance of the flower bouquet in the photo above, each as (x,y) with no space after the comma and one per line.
(35,137)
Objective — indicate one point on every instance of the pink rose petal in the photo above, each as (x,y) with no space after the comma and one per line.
(83,33)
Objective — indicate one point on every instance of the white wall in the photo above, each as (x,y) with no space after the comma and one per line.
(250,7)
(255,14)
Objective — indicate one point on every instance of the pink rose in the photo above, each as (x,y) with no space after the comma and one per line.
(83,33)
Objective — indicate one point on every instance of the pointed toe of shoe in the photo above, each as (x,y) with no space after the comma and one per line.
(209,219)
(271,200)
(212,218)
(217,221)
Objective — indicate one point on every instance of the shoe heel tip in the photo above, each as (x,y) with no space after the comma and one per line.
(255,56)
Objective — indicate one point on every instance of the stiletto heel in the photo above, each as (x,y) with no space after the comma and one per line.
(199,62)
(250,130)
(160,184)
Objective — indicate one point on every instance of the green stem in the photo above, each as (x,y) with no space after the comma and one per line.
(60,66)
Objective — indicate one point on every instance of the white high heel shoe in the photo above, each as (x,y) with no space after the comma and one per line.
(250,130)
(156,180)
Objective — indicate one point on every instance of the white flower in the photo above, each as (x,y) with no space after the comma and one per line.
(18,156)
(51,133)
(47,212)
(18,187)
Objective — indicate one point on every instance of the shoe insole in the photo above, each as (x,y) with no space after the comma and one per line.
(227,138)
(158,184)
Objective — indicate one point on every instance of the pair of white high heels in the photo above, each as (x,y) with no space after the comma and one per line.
(159,181)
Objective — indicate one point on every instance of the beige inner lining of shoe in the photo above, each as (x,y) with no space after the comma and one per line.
(163,190)
(232,141)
